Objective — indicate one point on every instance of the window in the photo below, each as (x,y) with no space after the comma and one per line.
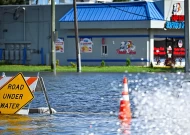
(168,51)
(104,50)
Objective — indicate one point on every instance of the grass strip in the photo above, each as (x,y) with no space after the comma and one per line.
(131,69)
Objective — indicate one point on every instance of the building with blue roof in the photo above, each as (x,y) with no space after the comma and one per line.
(138,11)
(143,32)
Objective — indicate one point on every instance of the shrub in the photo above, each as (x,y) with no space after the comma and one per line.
(151,65)
(57,62)
(73,64)
(128,62)
(2,62)
(103,63)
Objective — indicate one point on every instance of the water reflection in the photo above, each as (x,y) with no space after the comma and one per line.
(14,124)
(159,102)
(125,127)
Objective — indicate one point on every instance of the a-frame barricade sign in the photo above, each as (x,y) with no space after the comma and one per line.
(16,93)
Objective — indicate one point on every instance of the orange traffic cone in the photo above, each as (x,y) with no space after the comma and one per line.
(125,110)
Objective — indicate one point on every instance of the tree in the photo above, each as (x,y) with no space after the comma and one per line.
(12,2)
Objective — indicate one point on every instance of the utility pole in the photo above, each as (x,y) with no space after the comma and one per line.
(186,35)
(78,56)
(53,53)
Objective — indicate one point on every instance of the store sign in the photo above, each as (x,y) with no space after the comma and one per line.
(175,25)
(59,45)
(86,45)
(177,9)
(160,51)
(177,20)
(180,43)
(126,47)
(14,95)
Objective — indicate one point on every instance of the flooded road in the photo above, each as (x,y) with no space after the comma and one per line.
(88,104)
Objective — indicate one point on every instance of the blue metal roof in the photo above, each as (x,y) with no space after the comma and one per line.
(130,11)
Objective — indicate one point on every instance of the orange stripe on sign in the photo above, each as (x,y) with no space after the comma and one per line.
(31,80)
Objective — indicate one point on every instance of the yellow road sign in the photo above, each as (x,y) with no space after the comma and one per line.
(14,95)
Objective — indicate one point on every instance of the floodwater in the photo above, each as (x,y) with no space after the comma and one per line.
(88,104)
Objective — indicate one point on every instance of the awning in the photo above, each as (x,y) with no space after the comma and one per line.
(114,16)
(128,11)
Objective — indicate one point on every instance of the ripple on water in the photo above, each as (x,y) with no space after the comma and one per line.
(89,105)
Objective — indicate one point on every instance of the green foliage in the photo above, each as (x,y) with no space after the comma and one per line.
(12,2)
(118,69)
(128,62)
(57,62)
(103,64)
(2,62)
(151,65)
(73,64)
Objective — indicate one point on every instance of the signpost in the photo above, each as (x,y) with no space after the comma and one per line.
(14,95)
(187,36)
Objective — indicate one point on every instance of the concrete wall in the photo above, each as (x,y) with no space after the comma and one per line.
(36,25)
